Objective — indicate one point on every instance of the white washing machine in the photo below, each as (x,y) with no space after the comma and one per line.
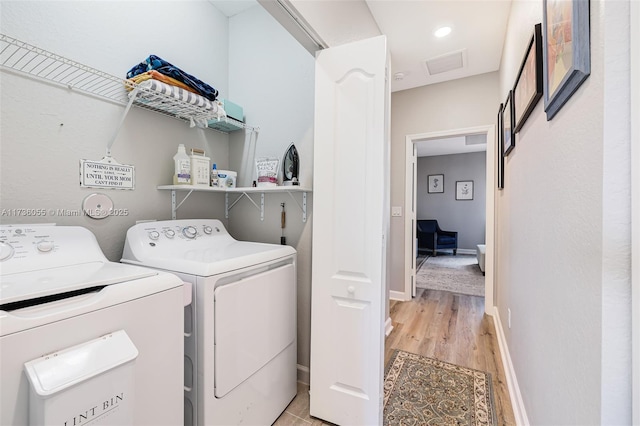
(240,330)
(84,340)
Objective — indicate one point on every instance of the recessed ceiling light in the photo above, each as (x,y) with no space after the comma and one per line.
(441,32)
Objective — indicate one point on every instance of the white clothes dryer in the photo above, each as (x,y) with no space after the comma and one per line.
(84,340)
(240,330)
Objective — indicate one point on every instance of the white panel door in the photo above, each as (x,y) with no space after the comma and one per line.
(349,241)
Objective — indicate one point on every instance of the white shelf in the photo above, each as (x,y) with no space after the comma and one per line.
(244,192)
(26,59)
(247,189)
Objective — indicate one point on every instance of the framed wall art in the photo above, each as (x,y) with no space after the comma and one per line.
(508,136)
(436,184)
(566,50)
(528,88)
(499,151)
(464,190)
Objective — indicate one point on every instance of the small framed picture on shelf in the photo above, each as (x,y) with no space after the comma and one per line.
(436,184)
(464,190)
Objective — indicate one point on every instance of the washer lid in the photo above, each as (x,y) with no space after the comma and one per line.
(25,286)
(216,260)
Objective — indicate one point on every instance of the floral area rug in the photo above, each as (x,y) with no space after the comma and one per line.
(458,274)
(424,391)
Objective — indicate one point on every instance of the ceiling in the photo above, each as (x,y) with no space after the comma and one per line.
(475,42)
(477,36)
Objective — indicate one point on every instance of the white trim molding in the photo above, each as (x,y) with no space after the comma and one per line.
(517,403)
(635,207)
(304,374)
(388,327)
(398,295)
(410,140)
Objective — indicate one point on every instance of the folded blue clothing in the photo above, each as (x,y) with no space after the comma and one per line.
(153,62)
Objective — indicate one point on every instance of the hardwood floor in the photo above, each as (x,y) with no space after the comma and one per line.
(452,328)
(437,324)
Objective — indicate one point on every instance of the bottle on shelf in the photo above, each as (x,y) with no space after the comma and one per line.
(214,176)
(182,167)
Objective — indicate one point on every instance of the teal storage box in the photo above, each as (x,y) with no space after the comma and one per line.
(234,114)
(233,110)
(225,124)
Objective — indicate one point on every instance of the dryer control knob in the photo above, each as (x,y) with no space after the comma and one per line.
(6,251)
(44,246)
(207,230)
(154,235)
(190,232)
(170,233)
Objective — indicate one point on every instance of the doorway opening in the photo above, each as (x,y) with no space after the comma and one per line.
(411,206)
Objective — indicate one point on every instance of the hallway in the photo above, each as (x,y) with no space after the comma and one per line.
(452,328)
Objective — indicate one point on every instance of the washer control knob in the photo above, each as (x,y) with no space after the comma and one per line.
(44,246)
(190,232)
(351,289)
(170,233)
(207,230)
(154,235)
(6,251)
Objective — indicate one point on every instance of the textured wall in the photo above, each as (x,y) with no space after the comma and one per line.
(46,130)
(466,217)
(272,76)
(562,235)
(457,104)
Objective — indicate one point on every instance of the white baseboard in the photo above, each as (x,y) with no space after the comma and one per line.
(467,251)
(397,295)
(304,374)
(517,404)
(388,327)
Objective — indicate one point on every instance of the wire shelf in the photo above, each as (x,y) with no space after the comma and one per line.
(26,59)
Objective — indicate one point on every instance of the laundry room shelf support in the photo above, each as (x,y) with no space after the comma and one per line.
(228,206)
(174,205)
(25,59)
(243,192)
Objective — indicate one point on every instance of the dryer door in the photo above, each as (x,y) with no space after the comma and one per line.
(255,320)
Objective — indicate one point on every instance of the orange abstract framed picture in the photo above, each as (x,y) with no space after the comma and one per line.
(566,51)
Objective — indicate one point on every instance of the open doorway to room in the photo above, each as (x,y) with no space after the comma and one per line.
(451,142)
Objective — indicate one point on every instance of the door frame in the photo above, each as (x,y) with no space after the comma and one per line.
(635,207)
(410,202)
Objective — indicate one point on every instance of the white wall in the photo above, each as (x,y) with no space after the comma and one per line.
(457,104)
(272,76)
(563,235)
(46,130)
(467,217)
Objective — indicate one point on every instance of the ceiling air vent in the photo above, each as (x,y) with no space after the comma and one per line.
(448,62)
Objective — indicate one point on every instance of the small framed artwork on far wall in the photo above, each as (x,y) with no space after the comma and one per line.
(464,190)
(436,184)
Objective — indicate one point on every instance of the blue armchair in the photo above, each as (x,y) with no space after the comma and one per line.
(431,237)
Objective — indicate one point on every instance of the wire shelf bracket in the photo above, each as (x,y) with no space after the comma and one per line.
(25,59)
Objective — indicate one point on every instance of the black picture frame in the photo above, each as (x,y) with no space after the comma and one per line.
(464,190)
(508,136)
(499,151)
(567,64)
(528,88)
(435,184)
